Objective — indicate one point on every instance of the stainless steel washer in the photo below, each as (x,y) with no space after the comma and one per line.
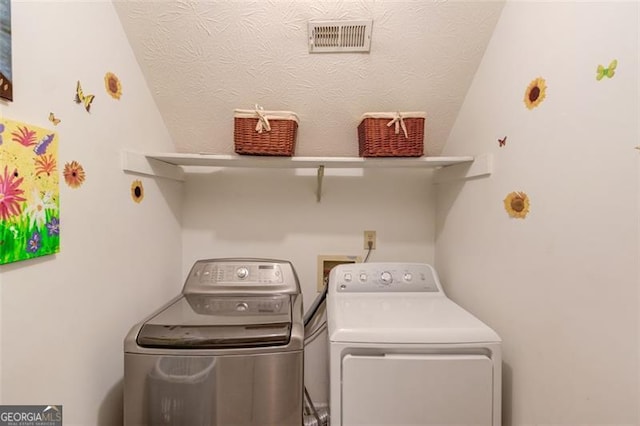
(227,351)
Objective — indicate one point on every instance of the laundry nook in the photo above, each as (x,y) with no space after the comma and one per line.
(319,213)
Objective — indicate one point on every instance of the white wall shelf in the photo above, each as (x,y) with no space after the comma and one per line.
(170,165)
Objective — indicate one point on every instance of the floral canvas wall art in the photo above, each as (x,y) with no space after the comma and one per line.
(29,192)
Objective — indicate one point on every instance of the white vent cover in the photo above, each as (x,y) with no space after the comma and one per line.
(339,36)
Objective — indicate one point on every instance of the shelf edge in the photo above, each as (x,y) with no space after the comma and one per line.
(224,160)
(169,165)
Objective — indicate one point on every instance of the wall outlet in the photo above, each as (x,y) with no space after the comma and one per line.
(369,237)
(327,262)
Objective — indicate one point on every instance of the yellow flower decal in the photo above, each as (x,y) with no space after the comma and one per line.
(113,85)
(74,174)
(137,191)
(535,93)
(517,204)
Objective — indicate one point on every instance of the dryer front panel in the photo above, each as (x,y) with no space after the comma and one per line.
(416,389)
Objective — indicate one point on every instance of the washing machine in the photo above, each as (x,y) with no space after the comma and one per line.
(227,351)
(402,353)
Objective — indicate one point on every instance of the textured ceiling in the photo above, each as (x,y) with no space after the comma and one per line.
(203,59)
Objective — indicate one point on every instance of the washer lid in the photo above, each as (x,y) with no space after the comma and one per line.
(403,318)
(203,321)
(213,337)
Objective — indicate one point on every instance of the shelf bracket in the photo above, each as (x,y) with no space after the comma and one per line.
(319,183)
(481,166)
(139,163)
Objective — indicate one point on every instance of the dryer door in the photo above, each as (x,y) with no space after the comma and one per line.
(417,389)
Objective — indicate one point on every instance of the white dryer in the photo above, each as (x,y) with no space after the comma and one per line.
(402,353)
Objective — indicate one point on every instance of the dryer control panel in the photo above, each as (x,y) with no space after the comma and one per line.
(384,278)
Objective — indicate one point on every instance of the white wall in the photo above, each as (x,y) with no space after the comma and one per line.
(64,317)
(561,286)
(273,213)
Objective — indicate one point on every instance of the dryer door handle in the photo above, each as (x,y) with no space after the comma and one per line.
(434,357)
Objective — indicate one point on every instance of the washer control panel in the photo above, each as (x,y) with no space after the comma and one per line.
(384,277)
(240,273)
(242,276)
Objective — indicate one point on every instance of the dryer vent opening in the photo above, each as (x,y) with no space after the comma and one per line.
(339,36)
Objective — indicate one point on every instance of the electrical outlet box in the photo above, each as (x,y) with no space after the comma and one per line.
(369,237)
(327,262)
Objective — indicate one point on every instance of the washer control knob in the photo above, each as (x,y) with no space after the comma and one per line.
(407,276)
(242,272)
(363,276)
(347,277)
(241,307)
(386,278)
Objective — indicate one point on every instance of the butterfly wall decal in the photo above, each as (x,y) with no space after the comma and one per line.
(53,119)
(602,72)
(502,142)
(82,98)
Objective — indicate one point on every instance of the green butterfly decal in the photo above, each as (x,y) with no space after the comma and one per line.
(606,72)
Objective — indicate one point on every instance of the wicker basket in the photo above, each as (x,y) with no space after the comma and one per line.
(391,134)
(259,132)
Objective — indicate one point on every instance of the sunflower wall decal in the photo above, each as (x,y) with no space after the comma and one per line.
(74,174)
(113,85)
(535,93)
(517,204)
(137,191)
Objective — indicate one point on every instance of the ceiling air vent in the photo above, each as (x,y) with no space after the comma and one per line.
(339,36)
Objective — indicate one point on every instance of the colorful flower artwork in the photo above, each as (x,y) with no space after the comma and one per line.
(29,192)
